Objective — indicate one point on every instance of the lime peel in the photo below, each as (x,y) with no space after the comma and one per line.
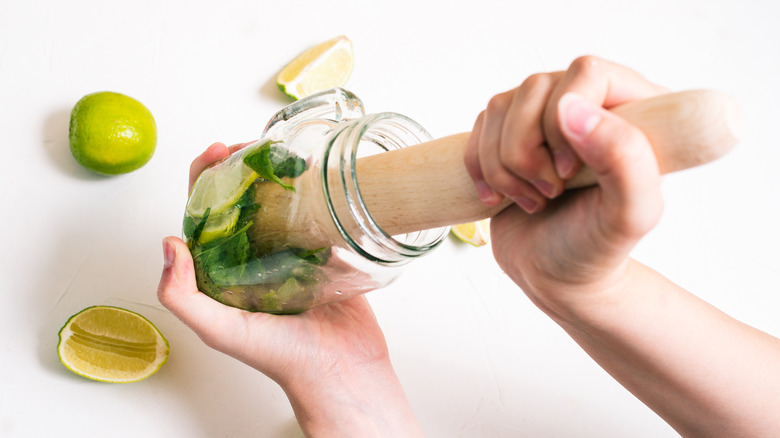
(111,344)
(111,133)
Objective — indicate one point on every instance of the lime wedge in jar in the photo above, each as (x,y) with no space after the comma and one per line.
(219,226)
(220,187)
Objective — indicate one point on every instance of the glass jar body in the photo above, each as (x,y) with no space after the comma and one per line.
(281,226)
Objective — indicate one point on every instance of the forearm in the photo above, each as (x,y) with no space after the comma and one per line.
(705,373)
(365,402)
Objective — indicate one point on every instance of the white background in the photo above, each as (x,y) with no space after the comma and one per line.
(476,357)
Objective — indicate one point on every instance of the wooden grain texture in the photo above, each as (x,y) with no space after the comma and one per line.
(426,185)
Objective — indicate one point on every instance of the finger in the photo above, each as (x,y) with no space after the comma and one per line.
(178,292)
(624,163)
(237,147)
(494,174)
(601,82)
(212,154)
(471,160)
(523,149)
(498,176)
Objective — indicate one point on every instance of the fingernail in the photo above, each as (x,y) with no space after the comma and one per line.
(564,163)
(484,192)
(544,187)
(169,253)
(527,204)
(578,116)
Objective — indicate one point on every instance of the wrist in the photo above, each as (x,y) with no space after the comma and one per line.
(580,303)
(361,400)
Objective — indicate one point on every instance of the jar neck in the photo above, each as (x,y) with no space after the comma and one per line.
(375,133)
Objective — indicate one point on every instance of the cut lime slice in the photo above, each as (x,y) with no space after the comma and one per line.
(327,65)
(220,187)
(475,233)
(219,225)
(110,344)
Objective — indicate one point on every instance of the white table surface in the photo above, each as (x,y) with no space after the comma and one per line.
(476,357)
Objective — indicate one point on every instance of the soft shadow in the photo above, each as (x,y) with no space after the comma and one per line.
(55,297)
(55,142)
(269,90)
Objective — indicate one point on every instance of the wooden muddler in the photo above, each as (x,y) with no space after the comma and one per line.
(427,185)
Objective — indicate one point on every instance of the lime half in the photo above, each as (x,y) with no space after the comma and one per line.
(220,187)
(110,344)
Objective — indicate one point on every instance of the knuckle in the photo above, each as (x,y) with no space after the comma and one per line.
(163,297)
(166,297)
(538,80)
(585,65)
(499,179)
(518,161)
(480,118)
(478,123)
(499,103)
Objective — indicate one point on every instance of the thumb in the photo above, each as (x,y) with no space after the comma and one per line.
(623,161)
(178,292)
(177,284)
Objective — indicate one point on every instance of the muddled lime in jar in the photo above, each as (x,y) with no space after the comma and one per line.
(230,266)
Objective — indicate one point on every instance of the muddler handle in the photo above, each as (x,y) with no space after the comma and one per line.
(427,185)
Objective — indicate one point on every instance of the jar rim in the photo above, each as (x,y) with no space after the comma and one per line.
(396,131)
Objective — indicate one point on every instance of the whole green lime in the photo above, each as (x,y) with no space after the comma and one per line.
(111,133)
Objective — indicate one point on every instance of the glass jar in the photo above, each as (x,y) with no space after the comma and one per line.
(281,225)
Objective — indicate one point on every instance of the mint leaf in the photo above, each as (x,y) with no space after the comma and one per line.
(286,164)
(225,259)
(192,230)
(247,207)
(273,162)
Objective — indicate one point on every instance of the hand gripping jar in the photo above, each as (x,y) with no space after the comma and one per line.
(281,226)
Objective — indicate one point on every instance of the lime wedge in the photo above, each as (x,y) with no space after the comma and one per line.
(327,65)
(220,187)
(219,225)
(475,233)
(110,344)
